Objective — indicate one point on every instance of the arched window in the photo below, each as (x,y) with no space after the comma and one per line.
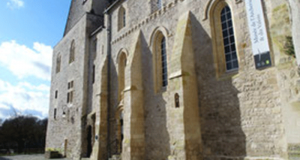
(121,67)
(121,18)
(72,52)
(228,40)
(223,37)
(58,63)
(160,61)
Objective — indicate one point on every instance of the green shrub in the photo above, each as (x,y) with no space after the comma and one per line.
(289,46)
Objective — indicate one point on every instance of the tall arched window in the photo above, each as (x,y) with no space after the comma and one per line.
(228,40)
(58,63)
(160,60)
(121,67)
(223,38)
(121,18)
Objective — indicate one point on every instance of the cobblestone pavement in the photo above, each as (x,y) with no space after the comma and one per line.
(27,157)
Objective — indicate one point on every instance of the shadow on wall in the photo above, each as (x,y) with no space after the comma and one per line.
(114,102)
(156,134)
(220,118)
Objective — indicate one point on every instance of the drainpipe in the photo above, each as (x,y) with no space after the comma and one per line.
(108,29)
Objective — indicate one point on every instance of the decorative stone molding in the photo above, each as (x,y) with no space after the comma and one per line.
(148,19)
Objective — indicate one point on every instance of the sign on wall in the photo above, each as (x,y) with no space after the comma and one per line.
(258,34)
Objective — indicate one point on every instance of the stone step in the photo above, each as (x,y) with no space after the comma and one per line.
(115,157)
(85,158)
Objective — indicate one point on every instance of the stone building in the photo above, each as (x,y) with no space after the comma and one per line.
(177,80)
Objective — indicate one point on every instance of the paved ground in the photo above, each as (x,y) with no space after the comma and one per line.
(26,157)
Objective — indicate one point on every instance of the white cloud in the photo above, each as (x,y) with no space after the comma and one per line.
(23,61)
(15,4)
(25,98)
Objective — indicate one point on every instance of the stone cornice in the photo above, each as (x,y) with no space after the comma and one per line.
(147,20)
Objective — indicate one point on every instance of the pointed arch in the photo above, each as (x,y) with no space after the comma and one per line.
(223,38)
(211,4)
(121,18)
(122,62)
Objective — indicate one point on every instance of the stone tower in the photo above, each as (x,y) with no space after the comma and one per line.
(79,8)
(71,79)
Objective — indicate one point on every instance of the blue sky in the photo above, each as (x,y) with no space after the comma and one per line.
(29,30)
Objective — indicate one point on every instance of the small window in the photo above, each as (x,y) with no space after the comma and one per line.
(56,94)
(58,63)
(94,49)
(93,74)
(54,113)
(176,97)
(70,93)
(72,52)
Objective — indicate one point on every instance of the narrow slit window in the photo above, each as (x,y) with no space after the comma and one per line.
(93,74)
(54,113)
(58,62)
(176,97)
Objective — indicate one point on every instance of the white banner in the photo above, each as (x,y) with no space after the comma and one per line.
(257,26)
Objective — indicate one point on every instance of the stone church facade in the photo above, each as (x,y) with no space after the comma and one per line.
(176,80)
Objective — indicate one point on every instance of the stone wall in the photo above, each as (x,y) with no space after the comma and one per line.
(244,114)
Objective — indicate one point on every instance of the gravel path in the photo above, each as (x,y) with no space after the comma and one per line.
(27,157)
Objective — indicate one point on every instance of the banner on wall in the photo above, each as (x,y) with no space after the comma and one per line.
(258,34)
